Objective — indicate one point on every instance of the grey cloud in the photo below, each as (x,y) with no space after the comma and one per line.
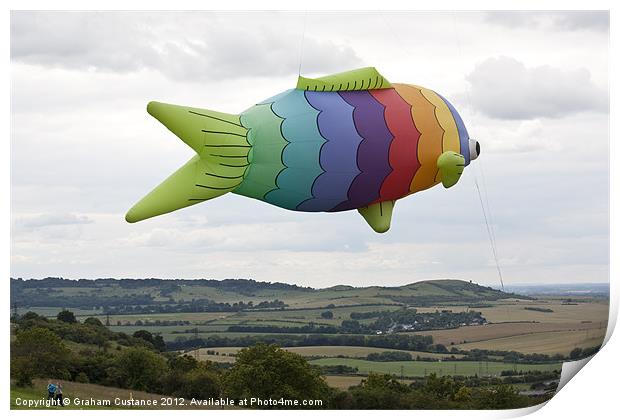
(505,88)
(46,220)
(202,49)
(596,20)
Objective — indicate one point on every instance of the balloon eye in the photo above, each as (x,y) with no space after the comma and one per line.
(474,149)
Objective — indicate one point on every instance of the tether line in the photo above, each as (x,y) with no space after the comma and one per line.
(486,222)
(303,39)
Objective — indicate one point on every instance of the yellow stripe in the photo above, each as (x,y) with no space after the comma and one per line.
(446,120)
(431,136)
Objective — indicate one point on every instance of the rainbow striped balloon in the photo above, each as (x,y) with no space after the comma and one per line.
(325,146)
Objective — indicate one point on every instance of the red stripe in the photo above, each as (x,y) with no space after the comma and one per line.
(404,147)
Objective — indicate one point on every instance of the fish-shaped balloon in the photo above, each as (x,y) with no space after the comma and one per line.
(347,141)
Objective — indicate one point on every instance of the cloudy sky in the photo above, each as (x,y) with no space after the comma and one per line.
(532,87)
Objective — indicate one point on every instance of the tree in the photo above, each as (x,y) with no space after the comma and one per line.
(267,371)
(183,363)
(93,321)
(441,386)
(502,397)
(159,343)
(30,315)
(327,315)
(156,340)
(139,368)
(66,316)
(350,326)
(38,352)
(463,395)
(380,391)
(440,348)
(144,335)
(200,383)
(575,353)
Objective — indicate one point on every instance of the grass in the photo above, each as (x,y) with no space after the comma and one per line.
(440,368)
(73,390)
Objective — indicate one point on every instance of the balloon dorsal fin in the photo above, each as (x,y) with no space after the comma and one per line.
(360,79)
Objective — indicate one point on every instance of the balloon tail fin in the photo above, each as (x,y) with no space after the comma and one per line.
(218,167)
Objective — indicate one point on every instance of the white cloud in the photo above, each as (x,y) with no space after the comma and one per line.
(83,147)
(206,48)
(505,88)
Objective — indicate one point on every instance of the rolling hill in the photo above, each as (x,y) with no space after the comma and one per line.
(237,294)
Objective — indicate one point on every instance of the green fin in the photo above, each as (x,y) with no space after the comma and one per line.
(360,79)
(450,165)
(199,128)
(221,147)
(378,215)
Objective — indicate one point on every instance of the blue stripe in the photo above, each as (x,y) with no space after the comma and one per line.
(301,155)
(463,135)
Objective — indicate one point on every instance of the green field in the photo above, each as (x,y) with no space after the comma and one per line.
(335,351)
(440,368)
(289,317)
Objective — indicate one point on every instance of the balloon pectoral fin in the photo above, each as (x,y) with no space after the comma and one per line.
(450,165)
(378,215)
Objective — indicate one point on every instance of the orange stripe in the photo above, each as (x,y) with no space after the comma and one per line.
(430,144)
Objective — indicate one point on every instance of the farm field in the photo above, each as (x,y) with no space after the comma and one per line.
(513,327)
(545,343)
(416,368)
(201,354)
(343,382)
(473,334)
(513,310)
(591,310)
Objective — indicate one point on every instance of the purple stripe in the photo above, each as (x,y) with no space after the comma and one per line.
(338,154)
(373,155)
